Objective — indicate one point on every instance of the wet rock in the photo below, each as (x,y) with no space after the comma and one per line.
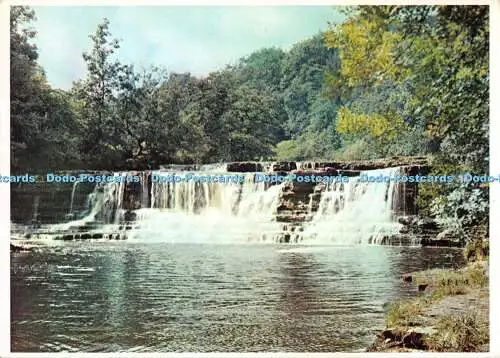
(426,242)
(130,216)
(19,248)
(97,236)
(315,197)
(408,220)
(284,166)
(411,339)
(427,224)
(36,224)
(303,187)
(86,236)
(407,278)
(349,173)
(244,167)
(422,287)
(319,188)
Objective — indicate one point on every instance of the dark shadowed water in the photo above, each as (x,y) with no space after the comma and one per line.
(119,297)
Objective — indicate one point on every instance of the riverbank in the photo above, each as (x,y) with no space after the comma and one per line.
(450,314)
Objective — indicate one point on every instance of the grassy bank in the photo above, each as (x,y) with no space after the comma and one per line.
(450,313)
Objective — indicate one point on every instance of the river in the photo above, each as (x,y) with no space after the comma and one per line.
(181,297)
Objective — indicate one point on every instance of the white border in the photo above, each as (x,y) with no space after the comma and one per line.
(5,168)
(245,2)
(494,168)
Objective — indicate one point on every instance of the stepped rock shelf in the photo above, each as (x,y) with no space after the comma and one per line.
(290,212)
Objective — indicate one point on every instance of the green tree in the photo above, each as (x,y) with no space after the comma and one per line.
(97,94)
(42,123)
(438,55)
(262,69)
(253,120)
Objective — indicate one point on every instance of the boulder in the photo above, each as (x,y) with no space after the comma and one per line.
(244,167)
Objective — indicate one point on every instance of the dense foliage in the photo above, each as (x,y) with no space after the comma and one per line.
(390,80)
(418,78)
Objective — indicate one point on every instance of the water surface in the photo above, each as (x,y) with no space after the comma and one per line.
(163,297)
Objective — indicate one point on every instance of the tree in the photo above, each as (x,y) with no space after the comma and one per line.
(97,94)
(262,69)
(27,112)
(42,123)
(438,55)
(302,80)
(253,122)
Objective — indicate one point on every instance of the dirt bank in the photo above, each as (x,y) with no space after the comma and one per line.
(451,314)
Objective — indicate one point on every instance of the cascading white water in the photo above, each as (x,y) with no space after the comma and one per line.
(105,203)
(350,212)
(75,185)
(209,212)
(355,212)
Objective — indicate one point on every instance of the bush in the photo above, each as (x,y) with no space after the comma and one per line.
(464,333)
(477,249)
(356,150)
(404,314)
(465,206)
(286,150)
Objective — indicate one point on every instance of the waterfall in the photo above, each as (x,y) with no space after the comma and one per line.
(118,197)
(196,211)
(351,212)
(34,221)
(144,189)
(105,208)
(355,212)
(70,214)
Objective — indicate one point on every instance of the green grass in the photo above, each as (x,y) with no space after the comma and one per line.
(442,283)
(465,333)
(468,332)
(448,282)
(405,314)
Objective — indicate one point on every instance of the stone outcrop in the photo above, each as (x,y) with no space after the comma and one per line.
(288,166)
(354,165)
(245,167)
(389,339)
(19,248)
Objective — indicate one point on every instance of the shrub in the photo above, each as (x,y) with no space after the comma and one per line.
(405,313)
(477,249)
(463,333)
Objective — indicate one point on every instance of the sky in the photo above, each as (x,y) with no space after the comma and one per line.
(192,39)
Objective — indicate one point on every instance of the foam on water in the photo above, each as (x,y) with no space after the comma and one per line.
(348,213)
(209,212)
(355,212)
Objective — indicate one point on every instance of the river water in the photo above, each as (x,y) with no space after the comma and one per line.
(175,297)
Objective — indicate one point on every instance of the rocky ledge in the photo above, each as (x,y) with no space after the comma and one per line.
(245,167)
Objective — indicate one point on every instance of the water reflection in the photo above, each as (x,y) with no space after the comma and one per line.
(298,286)
(171,297)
